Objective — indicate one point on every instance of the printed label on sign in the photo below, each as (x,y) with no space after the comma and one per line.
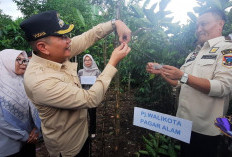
(174,127)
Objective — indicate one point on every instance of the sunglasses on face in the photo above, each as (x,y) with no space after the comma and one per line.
(22,61)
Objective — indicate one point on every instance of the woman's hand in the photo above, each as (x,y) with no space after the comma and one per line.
(33,137)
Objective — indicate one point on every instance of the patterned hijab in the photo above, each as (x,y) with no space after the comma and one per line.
(88,70)
(16,107)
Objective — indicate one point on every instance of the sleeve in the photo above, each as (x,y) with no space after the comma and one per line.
(82,42)
(220,85)
(57,93)
(11,132)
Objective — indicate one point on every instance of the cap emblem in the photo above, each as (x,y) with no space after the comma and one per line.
(61,22)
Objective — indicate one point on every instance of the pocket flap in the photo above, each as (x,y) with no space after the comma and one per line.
(206,62)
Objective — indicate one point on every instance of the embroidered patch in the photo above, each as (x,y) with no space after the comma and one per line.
(214,50)
(226,51)
(192,57)
(189,60)
(209,57)
(227,61)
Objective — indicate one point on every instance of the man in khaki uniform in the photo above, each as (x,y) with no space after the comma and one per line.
(205,80)
(52,84)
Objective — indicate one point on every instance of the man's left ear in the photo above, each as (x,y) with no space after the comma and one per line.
(42,47)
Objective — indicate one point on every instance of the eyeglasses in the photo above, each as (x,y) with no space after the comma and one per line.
(22,61)
(87,60)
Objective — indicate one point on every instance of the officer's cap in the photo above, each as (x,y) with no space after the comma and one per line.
(44,24)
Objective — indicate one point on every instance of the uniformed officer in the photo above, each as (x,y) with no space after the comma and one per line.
(52,84)
(205,79)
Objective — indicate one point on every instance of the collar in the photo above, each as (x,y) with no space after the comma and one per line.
(47,63)
(54,65)
(214,41)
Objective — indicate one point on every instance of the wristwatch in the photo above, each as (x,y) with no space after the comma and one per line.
(113,23)
(184,78)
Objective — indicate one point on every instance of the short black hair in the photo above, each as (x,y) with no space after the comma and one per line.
(29,53)
(215,11)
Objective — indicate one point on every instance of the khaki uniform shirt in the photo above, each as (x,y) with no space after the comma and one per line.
(56,91)
(203,109)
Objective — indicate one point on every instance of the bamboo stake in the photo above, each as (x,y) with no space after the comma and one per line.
(117,105)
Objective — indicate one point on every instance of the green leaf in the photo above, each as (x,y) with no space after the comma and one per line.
(163,4)
(80,17)
(152,76)
(163,151)
(143,152)
(151,151)
(163,138)
(137,154)
(164,146)
(151,136)
(155,144)
(171,150)
(192,17)
(146,3)
(177,147)
(147,141)
(138,11)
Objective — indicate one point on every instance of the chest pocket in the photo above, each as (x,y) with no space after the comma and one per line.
(207,60)
(187,67)
(187,64)
(205,68)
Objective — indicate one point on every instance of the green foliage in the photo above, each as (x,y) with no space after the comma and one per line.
(29,7)
(206,4)
(159,145)
(150,42)
(228,25)
(11,36)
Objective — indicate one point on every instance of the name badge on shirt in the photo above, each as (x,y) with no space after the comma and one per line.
(209,57)
(88,80)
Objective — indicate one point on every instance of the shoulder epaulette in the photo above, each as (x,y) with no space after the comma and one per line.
(226,51)
(230,41)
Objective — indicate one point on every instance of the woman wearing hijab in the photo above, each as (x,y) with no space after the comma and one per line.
(90,69)
(19,121)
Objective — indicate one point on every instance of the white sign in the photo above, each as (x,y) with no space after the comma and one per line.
(165,124)
(88,79)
